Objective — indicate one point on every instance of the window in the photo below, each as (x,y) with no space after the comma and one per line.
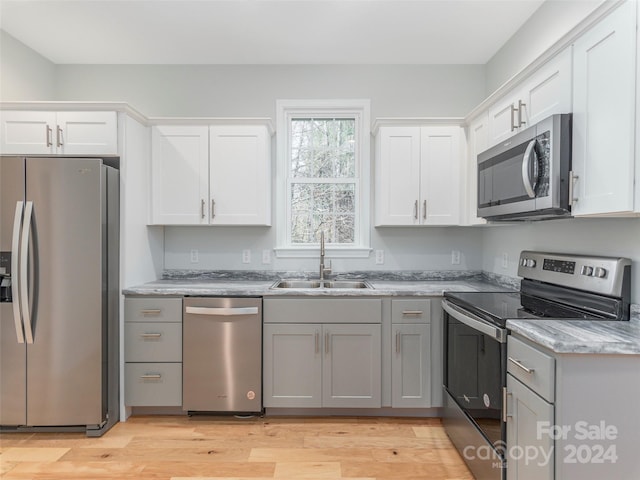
(323,177)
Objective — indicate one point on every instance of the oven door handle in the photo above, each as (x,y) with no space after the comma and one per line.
(474,322)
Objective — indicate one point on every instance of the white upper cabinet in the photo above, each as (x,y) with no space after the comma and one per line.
(58,133)
(544,93)
(477,142)
(180,175)
(418,175)
(218,175)
(240,175)
(604,126)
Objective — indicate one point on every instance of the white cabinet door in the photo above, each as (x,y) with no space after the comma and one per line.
(180,174)
(352,367)
(503,118)
(439,202)
(411,366)
(86,133)
(240,175)
(397,176)
(477,142)
(604,125)
(548,91)
(292,365)
(27,133)
(58,133)
(526,412)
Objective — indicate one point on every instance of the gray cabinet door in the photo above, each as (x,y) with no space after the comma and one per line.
(526,410)
(411,366)
(292,369)
(351,375)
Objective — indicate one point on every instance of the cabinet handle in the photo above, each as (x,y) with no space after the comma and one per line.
(521,106)
(150,335)
(151,376)
(513,112)
(505,395)
(424,210)
(397,341)
(151,312)
(213,209)
(521,366)
(317,340)
(326,342)
(572,180)
(49,133)
(202,208)
(412,312)
(415,210)
(59,139)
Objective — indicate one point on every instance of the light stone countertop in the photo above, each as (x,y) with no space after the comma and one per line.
(581,336)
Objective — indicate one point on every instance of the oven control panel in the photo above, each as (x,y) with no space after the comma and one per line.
(596,274)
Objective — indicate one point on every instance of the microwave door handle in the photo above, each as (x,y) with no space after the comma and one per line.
(529,153)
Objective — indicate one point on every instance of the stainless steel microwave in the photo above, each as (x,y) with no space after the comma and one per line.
(527,176)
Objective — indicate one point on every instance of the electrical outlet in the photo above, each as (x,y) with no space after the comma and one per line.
(379,257)
(505,260)
(194,256)
(455,257)
(266,257)
(246,256)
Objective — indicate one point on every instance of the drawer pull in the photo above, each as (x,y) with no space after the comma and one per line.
(151,312)
(151,376)
(521,366)
(412,312)
(150,335)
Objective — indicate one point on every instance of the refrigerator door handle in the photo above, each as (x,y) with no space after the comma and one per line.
(24,272)
(15,271)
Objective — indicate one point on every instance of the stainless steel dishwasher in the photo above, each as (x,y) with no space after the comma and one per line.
(222,355)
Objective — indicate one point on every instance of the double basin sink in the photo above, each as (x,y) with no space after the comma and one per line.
(321,284)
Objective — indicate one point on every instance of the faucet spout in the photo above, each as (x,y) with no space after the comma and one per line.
(323,270)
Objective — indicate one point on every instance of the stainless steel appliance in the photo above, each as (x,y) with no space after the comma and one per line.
(222,356)
(554,286)
(59,256)
(528,176)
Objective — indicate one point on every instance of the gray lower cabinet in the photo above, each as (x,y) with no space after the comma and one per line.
(336,363)
(153,351)
(411,353)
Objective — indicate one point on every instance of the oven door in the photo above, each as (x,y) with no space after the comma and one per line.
(474,384)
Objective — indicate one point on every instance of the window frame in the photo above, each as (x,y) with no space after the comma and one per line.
(286,110)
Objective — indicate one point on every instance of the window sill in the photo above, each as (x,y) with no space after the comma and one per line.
(330,252)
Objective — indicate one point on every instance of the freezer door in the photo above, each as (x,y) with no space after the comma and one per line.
(65,361)
(13,355)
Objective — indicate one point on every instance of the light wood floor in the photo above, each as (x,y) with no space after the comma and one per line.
(224,448)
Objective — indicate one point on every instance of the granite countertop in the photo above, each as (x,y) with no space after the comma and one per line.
(582,336)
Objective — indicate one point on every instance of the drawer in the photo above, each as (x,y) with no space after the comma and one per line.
(322,310)
(152,342)
(411,311)
(152,309)
(532,367)
(153,384)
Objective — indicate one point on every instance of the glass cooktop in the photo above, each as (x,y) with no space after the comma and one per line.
(498,307)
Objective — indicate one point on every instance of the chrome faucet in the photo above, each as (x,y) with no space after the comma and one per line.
(323,270)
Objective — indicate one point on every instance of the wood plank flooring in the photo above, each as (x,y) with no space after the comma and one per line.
(226,448)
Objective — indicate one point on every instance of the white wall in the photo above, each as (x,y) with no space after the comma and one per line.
(546,26)
(220,248)
(590,236)
(24,74)
(236,91)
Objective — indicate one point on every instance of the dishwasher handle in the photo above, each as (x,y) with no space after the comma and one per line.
(226,311)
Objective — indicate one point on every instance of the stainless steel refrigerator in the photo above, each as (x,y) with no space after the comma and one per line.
(59,257)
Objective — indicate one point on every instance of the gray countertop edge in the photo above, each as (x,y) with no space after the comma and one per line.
(581,336)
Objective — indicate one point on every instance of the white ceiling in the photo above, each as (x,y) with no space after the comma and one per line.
(265,31)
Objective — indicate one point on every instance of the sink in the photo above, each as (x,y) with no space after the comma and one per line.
(321,284)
